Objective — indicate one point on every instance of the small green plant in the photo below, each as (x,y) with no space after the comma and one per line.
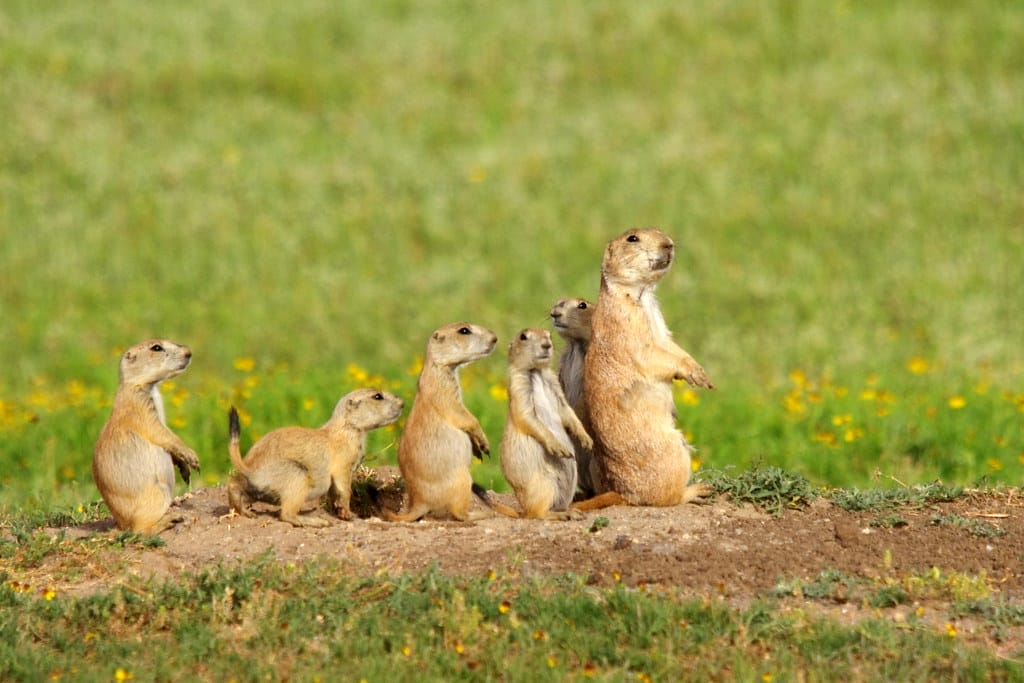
(598,524)
(769,488)
(878,500)
(998,616)
(828,585)
(975,527)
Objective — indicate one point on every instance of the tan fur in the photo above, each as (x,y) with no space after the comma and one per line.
(537,456)
(441,435)
(136,453)
(628,373)
(291,466)
(572,318)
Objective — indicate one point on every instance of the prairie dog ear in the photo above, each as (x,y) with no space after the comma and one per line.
(129,355)
(354,402)
(438,337)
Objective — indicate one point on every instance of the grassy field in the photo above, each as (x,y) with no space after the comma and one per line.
(303,191)
(240,624)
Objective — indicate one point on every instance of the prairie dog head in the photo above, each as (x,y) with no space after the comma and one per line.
(367,409)
(530,350)
(637,257)
(153,361)
(456,344)
(571,318)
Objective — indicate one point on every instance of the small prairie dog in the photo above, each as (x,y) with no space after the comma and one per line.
(628,373)
(441,436)
(294,465)
(571,318)
(536,452)
(136,453)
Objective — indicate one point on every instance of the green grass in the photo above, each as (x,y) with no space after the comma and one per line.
(313,622)
(317,184)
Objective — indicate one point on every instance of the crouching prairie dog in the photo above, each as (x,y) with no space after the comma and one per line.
(441,436)
(291,466)
(537,456)
(572,318)
(628,372)
(136,453)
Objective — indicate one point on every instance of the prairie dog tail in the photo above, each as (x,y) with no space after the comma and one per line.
(234,432)
(500,508)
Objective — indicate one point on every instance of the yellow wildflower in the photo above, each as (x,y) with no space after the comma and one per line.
(792,404)
(825,437)
(245,363)
(308,403)
(918,365)
(122,675)
(416,367)
(951,630)
(839,420)
(357,374)
(798,377)
(852,434)
(504,607)
(499,392)
(476,174)
(957,402)
(689,397)
(49,594)
(995,464)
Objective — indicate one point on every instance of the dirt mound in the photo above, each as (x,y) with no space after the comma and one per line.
(716,546)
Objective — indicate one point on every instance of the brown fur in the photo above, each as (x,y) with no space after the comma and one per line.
(572,318)
(441,436)
(628,373)
(136,453)
(293,465)
(537,456)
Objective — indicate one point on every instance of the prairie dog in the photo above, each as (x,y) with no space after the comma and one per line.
(628,373)
(537,456)
(441,436)
(572,318)
(136,453)
(293,465)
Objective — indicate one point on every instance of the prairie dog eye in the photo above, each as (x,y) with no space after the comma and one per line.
(582,305)
(465,330)
(632,238)
(156,347)
(378,396)
(522,336)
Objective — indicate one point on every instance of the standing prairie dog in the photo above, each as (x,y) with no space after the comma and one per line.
(441,436)
(628,373)
(537,456)
(136,453)
(572,318)
(293,465)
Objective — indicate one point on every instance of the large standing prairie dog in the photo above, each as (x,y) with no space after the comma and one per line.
(537,456)
(136,453)
(293,465)
(441,435)
(628,373)
(572,319)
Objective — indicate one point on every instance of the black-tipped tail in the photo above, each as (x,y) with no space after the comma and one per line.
(234,427)
(481,493)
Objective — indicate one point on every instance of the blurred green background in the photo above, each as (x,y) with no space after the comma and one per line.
(303,191)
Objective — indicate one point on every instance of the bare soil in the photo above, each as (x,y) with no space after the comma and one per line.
(717,549)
